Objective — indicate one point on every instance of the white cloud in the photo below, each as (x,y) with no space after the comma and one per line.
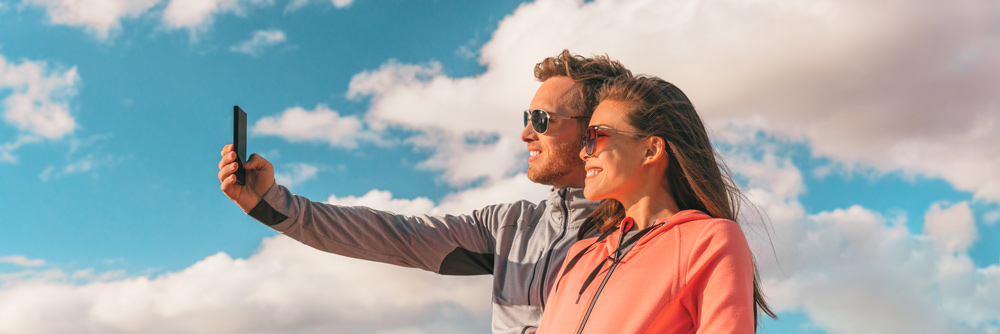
(383,200)
(453,116)
(462,121)
(22,261)
(38,104)
(296,174)
(895,85)
(285,287)
(319,125)
(87,163)
(7,149)
(951,228)
(261,40)
(100,17)
(298,4)
(992,217)
(199,14)
(39,99)
(508,190)
(853,270)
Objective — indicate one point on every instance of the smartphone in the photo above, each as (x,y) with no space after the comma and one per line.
(240,142)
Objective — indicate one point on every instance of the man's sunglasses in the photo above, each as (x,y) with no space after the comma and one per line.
(591,139)
(540,119)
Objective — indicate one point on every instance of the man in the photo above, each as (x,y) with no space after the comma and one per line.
(521,244)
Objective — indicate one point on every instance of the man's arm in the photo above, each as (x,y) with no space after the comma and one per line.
(455,245)
(451,244)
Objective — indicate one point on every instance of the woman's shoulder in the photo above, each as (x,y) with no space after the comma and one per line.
(719,232)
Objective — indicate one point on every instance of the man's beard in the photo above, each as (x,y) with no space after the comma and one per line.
(562,160)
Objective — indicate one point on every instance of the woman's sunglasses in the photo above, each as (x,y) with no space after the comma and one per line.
(591,139)
(540,119)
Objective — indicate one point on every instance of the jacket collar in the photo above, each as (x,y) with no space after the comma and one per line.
(575,204)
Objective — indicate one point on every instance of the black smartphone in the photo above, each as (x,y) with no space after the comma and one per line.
(240,142)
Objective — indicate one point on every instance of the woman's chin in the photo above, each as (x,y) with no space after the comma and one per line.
(593,194)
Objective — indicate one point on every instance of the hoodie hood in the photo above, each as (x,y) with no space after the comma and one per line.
(660,226)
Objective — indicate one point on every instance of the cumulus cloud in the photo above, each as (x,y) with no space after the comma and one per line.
(461,120)
(854,270)
(318,125)
(951,228)
(508,190)
(38,103)
(262,39)
(21,260)
(295,173)
(298,4)
(284,287)
(199,14)
(100,17)
(893,85)
(383,200)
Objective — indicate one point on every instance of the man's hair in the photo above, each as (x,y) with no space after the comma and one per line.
(590,73)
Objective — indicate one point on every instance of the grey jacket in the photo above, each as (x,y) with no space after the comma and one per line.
(521,244)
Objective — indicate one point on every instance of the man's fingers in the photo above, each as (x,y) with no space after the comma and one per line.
(227,185)
(226,149)
(226,171)
(226,159)
(253,162)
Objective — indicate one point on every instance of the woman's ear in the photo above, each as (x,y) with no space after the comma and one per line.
(656,151)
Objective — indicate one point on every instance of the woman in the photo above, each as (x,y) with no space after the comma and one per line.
(671,259)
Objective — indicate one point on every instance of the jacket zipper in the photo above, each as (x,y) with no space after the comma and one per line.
(534,269)
(548,257)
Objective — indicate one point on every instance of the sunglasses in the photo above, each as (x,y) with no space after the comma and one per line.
(591,139)
(540,119)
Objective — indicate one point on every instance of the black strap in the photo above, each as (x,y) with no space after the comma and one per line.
(618,256)
(575,259)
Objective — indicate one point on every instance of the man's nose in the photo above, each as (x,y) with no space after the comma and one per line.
(528,134)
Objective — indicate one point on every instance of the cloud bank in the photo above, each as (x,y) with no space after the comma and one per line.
(894,85)
(285,287)
(833,266)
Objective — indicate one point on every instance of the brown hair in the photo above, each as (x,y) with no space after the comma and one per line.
(694,177)
(589,73)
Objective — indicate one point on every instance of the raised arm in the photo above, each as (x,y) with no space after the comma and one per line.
(450,244)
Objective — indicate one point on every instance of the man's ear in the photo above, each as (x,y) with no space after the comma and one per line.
(656,151)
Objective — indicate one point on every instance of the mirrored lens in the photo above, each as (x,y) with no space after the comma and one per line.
(591,139)
(539,121)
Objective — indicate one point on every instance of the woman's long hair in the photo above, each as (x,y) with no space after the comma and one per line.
(694,177)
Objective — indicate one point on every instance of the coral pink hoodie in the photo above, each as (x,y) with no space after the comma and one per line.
(691,274)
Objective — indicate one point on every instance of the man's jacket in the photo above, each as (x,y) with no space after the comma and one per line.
(521,244)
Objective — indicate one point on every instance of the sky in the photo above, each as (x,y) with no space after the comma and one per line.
(864,132)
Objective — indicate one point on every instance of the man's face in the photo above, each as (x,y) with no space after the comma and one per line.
(554,155)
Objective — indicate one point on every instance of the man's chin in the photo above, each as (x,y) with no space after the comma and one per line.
(542,176)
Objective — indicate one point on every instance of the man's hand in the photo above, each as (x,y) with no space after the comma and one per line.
(260,177)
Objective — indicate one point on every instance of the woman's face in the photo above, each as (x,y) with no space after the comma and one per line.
(613,171)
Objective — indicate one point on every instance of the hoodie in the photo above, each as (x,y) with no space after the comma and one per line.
(690,273)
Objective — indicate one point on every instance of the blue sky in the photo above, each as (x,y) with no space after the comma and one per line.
(865,132)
